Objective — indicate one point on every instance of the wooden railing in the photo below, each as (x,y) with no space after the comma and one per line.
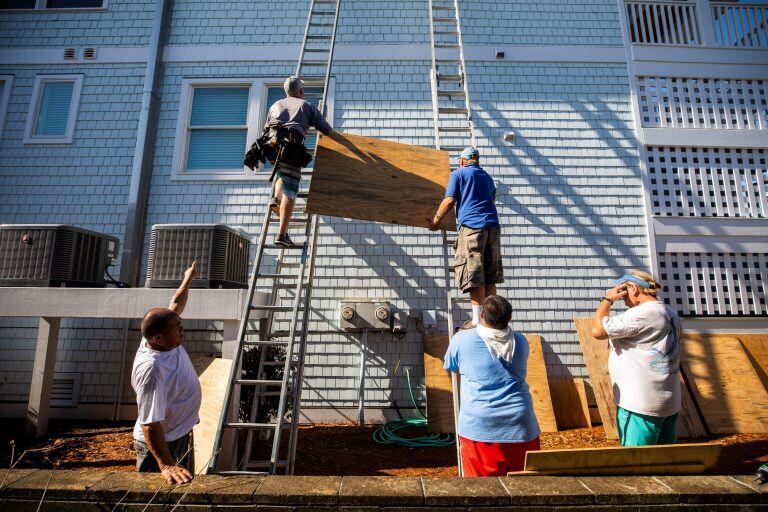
(743,25)
(663,22)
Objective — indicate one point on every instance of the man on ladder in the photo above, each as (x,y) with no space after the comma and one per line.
(477,262)
(295,115)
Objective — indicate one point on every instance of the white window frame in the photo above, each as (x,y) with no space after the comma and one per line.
(34,106)
(40,6)
(4,99)
(257,110)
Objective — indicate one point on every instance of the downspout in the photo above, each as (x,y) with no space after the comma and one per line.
(141,172)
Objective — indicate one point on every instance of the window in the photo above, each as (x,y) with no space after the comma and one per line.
(6,83)
(53,4)
(53,109)
(219,119)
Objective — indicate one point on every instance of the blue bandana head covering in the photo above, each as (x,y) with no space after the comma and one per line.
(470,153)
(632,279)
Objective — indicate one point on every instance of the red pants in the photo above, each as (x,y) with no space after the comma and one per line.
(494,459)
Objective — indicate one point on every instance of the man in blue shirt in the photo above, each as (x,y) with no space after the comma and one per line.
(477,265)
(497,425)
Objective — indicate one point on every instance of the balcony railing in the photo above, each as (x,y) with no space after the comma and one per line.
(683,23)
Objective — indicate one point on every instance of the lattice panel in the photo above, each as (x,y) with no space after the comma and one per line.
(708,182)
(668,102)
(715,284)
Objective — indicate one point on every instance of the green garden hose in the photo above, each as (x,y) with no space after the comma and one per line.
(387,433)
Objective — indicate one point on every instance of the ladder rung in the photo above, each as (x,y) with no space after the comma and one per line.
(314,62)
(462,300)
(453,129)
(446,45)
(451,148)
(450,78)
(444,20)
(296,247)
(318,37)
(258,382)
(446,33)
(452,110)
(265,463)
(265,343)
(254,426)
(321,24)
(442,7)
(264,307)
(316,50)
(323,13)
(450,94)
(277,276)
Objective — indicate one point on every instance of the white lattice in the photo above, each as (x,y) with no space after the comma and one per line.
(743,25)
(663,22)
(708,182)
(708,284)
(703,103)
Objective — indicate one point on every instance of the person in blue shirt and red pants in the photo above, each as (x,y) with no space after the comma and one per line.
(478,251)
(497,425)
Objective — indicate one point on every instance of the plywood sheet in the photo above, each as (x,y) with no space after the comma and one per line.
(726,387)
(756,346)
(569,400)
(539,385)
(596,358)
(619,460)
(689,424)
(214,376)
(438,382)
(378,180)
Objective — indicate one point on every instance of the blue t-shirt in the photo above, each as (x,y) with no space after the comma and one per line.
(474,192)
(496,406)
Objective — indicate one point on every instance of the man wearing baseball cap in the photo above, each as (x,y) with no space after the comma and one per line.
(478,251)
(644,360)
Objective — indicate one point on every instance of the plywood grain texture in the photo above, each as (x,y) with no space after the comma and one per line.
(438,383)
(596,358)
(620,460)
(569,400)
(756,346)
(363,178)
(214,376)
(538,385)
(689,423)
(726,387)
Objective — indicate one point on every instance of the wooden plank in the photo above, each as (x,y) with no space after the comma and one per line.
(378,180)
(539,386)
(727,389)
(620,460)
(214,376)
(756,346)
(689,424)
(438,382)
(596,358)
(569,400)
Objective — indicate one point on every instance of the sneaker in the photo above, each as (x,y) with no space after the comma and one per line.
(275,205)
(467,325)
(283,240)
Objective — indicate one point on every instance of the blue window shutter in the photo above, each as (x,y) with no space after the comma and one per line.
(218,148)
(219,106)
(53,112)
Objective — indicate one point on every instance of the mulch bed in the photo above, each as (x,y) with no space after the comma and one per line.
(322,450)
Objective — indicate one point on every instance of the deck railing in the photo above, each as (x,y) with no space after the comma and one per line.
(742,25)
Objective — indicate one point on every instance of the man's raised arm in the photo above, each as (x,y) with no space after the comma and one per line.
(179,300)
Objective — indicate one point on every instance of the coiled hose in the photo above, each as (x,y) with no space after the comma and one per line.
(387,433)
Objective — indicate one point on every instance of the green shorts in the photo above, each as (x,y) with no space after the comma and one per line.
(642,430)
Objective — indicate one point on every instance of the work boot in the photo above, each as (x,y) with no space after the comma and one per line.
(467,325)
(283,240)
(275,205)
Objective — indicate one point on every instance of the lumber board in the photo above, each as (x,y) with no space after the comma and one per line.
(569,400)
(538,385)
(378,180)
(756,346)
(214,376)
(726,387)
(630,460)
(596,358)
(438,382)
(689,423)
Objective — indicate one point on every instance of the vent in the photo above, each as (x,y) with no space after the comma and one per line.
(89,53)
(65,390)
(70,53)
(221,254)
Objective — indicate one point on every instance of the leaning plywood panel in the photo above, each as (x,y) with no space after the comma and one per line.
(438,382)
(378,180)
(689,424)
(569,400)
(214,376)
(726,387)
(596,358)
(668,459)
(539,386)
(756,346)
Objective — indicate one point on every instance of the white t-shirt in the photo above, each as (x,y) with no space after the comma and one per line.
(644,362)
(167,390)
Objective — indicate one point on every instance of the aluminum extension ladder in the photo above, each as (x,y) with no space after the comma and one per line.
(453,131)
(273,385)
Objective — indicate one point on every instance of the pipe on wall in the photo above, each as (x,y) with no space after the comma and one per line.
(141,172)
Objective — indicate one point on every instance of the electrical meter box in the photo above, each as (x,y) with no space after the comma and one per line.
(360,314)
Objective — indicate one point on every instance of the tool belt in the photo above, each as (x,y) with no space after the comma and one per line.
(282,147)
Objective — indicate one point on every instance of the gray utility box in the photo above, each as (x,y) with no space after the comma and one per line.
(359,314)
(54,255)
(220,251)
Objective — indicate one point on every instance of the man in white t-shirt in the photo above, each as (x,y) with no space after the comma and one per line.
(644,360)
(167,392)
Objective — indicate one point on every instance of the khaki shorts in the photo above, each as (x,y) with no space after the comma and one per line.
(478,258)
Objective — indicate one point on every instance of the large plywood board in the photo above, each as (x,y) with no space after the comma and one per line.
(756,346)
(689,423)
(726,387)
(378,180)
(620,460)
(539,385)
(214,376)
(438,382)
(596,358)
(569,400)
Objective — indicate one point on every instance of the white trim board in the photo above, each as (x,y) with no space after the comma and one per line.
(104,55)
(704,137)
